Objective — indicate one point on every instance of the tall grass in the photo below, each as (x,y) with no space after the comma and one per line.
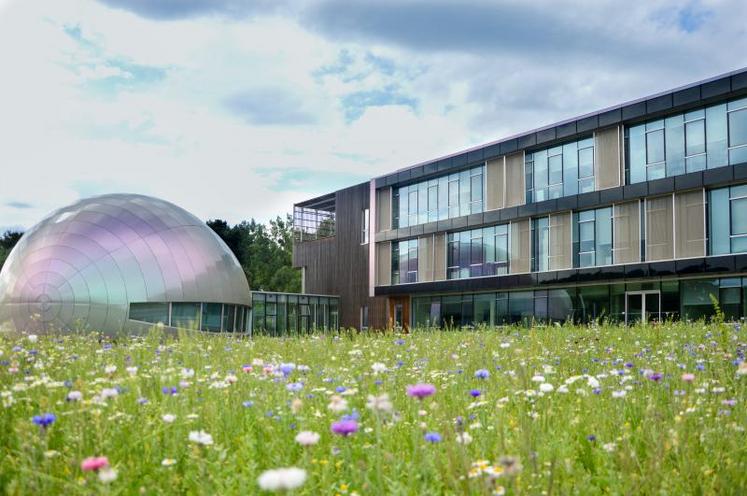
(615,414)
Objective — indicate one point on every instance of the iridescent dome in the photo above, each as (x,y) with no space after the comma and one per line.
(112,262)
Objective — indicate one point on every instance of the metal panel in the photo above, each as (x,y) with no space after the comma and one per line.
(607,163)
(521,247)
(383,209)
(561,244)
(439,257)
(425,258)
(515,189)
(495,184)
(659,229)
(689,221)
(384,263)
(626,246)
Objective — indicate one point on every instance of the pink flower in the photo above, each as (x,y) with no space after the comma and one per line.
(94,463)
(688,377)
(421,391)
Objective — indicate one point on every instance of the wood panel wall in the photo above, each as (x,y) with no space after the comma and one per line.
(339,265)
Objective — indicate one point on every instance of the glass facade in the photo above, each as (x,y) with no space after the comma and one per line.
(592,237)
(286,314)
(457,194)
(690,299)
(405,261)
(541,244)
(727,215)
(701,139)
(560,171)
(212,317)
(477,252)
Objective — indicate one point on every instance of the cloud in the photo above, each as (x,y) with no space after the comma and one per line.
(168,10)
(18,204)
(309,180)
(269,106)
(356,103)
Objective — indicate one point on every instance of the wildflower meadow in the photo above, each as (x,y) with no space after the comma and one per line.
(656,409)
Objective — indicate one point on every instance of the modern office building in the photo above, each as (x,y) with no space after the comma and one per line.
(121,263)
(635,212)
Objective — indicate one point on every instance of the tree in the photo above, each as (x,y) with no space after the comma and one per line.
(7,241)
(264,252)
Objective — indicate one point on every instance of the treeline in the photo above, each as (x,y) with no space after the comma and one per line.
(264,251)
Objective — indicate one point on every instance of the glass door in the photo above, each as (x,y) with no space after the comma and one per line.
(642,306)
(398,315)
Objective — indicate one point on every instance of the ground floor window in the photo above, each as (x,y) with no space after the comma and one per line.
(622,302)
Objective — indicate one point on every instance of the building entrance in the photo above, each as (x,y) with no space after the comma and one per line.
(642,306)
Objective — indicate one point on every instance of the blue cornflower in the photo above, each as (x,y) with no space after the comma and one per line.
(44,420)
(475,393)
(482,374)
(169,390)
(433,437)
(591,438)
(287,368)
(248,404)
(341,389)
(399,342)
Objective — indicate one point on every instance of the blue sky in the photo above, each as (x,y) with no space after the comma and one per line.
(237,109)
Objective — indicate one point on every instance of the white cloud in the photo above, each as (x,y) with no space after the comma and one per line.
(137,104)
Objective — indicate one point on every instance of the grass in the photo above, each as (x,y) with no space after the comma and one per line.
(620,418)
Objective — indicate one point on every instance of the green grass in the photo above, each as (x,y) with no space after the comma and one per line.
(666,436)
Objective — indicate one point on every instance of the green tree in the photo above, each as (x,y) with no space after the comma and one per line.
(7,241)
(264,252)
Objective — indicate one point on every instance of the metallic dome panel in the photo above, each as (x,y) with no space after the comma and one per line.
(83,265)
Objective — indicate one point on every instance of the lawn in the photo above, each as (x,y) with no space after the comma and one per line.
(548,410)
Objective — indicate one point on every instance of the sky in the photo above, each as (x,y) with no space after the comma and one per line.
(237,109)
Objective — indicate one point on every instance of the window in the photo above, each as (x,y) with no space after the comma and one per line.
(560,171)
(364,317)
(457,194)
(593,237)
(704,138)
(365,224)
(211,315)
(478,252)
(727,209)
(405,261)
(541,244)
(150,312)
(185,315)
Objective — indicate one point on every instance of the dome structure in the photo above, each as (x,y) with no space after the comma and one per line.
(122,262)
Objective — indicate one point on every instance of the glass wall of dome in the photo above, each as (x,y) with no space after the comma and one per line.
(115,262)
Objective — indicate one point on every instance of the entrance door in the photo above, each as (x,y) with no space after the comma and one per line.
(642,306)
(399,312)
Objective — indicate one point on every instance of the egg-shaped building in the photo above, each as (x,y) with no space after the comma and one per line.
(123,262)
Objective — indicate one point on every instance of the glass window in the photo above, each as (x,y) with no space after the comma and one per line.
(709,137)
(727,214)
(365,220)
(593,303)
(477,252)
(541,244)
(405,261)
(520,307)
(229,314)
(211,315)
(185,315)
(696,298)
(560,171)
(438,199)
(150,312)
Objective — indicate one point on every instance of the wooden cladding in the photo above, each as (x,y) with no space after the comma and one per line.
(495,172)
(515,177)
(384,263)
(521,247)
(561,256)
(626,235)
(608,158)
(689,223)
(383,209)
(659,229)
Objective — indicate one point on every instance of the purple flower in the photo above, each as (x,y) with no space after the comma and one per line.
(169,390)
(287,368)
(655,376)
(294,387)
(341,389)
(248,404)
(591,438)
(482,374)
(399,342)
(421,391)
(44,420)
(345,427)
(432,437)
(142,401)
(475,393)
